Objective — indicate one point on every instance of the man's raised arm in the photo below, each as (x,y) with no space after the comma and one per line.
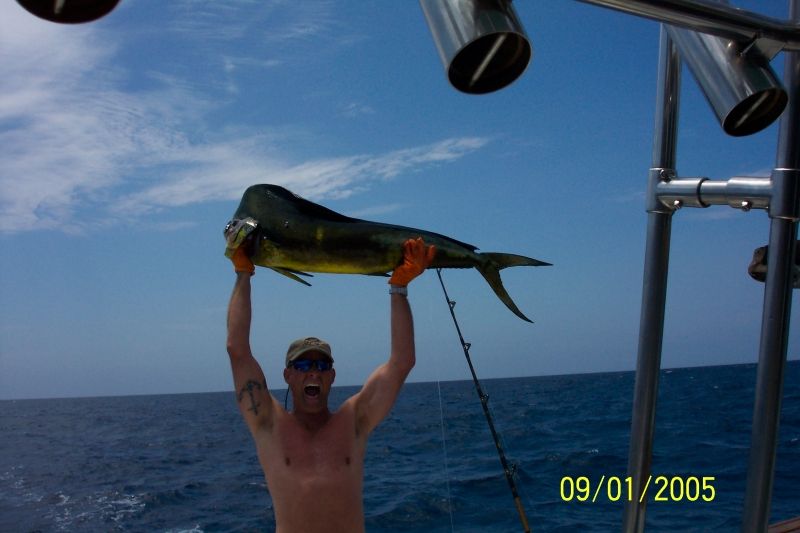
(255,401)
(379,393)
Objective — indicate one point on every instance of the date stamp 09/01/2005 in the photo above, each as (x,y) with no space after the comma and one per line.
(662,488)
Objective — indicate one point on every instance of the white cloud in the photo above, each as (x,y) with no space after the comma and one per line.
(223,170)
(52,131)
(355,109)
(80,148)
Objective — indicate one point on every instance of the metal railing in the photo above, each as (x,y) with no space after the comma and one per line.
(728,51)
(667,192)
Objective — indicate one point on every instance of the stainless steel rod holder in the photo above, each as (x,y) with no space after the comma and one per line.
(481,43)
(742,89)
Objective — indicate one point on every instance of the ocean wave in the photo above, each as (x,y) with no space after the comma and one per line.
(117,464)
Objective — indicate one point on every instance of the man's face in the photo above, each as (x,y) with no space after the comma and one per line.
(310,389)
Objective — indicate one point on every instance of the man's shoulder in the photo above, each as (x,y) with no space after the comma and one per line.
(347,409)
(356,411)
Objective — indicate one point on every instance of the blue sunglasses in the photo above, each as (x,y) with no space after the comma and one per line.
(304,365)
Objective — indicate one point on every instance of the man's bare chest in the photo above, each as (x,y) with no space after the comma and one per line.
(331,449)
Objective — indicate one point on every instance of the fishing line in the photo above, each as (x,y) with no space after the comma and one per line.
(444,448)
(507,468)
(438,364)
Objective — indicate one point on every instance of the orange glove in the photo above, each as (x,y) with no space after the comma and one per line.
(242,262)
(416,258)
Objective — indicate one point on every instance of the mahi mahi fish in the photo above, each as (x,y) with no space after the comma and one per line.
(294,236)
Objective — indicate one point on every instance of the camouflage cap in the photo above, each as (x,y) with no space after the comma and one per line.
(308,344)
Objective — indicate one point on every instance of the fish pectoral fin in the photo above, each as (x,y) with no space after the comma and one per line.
(299,272)
(379,274)
(293,274)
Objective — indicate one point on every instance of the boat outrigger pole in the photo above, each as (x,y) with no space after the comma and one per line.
(507,469)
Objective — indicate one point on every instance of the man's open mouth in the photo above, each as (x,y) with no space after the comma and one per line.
(312,390)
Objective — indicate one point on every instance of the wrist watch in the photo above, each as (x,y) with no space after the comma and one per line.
(402,291)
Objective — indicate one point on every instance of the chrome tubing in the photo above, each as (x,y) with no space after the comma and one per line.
(739,192)
(743,193)
(742,89)
(654,287)
(777,304)
(713,18)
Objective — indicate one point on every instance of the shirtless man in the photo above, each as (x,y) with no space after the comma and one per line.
(313,459)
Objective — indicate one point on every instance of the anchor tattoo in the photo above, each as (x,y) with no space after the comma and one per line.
(249,387)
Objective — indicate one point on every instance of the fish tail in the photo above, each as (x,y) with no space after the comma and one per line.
(490,269)
(511,260)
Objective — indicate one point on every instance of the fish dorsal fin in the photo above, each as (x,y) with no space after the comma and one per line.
(468,246)
(304,207)
(413,231)
(308,208)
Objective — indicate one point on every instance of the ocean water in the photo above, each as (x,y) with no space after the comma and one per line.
(186,462)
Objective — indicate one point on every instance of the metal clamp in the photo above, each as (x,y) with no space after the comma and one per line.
(785,201)
(656,177)
(667,192)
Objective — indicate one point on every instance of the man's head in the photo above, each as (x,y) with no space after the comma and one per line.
(301,347)
(309,373)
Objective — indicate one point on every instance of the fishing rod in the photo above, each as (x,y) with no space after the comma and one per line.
(507,469)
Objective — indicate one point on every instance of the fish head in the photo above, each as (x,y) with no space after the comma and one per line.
(239,232)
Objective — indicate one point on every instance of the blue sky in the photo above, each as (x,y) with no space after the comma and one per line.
(127,143)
